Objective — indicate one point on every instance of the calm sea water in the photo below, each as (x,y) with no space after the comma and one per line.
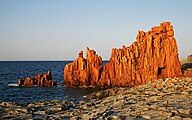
(10,72)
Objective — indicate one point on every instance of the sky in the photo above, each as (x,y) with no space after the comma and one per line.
(59,29)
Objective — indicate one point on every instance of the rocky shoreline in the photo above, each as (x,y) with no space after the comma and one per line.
(161,99)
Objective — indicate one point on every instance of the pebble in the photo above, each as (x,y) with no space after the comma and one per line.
(175,118)
(184,111)
(40,112)
(115,117)
(146,117)
(54,109)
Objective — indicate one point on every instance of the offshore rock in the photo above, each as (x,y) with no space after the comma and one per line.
(41,80)
(83,72)
(154,55)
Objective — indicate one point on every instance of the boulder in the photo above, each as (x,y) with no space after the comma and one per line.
(187,72)
(152,56)
(41,80)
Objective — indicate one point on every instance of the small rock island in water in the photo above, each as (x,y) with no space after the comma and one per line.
(41,80)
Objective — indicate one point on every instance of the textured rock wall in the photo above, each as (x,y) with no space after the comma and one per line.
(83,72)
(41,80)
(154,55)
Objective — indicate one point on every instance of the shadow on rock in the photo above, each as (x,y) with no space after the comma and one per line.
(185,66)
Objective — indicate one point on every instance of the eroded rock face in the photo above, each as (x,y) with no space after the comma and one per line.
(83,72)
(154,55)
(41,80)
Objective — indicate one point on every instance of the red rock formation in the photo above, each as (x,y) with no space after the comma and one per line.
(83,72)
(41,80)
(187,73)
(154,55)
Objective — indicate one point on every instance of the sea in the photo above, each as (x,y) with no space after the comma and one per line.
(11,71)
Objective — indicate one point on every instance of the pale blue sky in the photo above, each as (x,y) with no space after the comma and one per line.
(59,29)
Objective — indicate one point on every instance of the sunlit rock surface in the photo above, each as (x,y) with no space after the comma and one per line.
(153,55)
(41,80)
